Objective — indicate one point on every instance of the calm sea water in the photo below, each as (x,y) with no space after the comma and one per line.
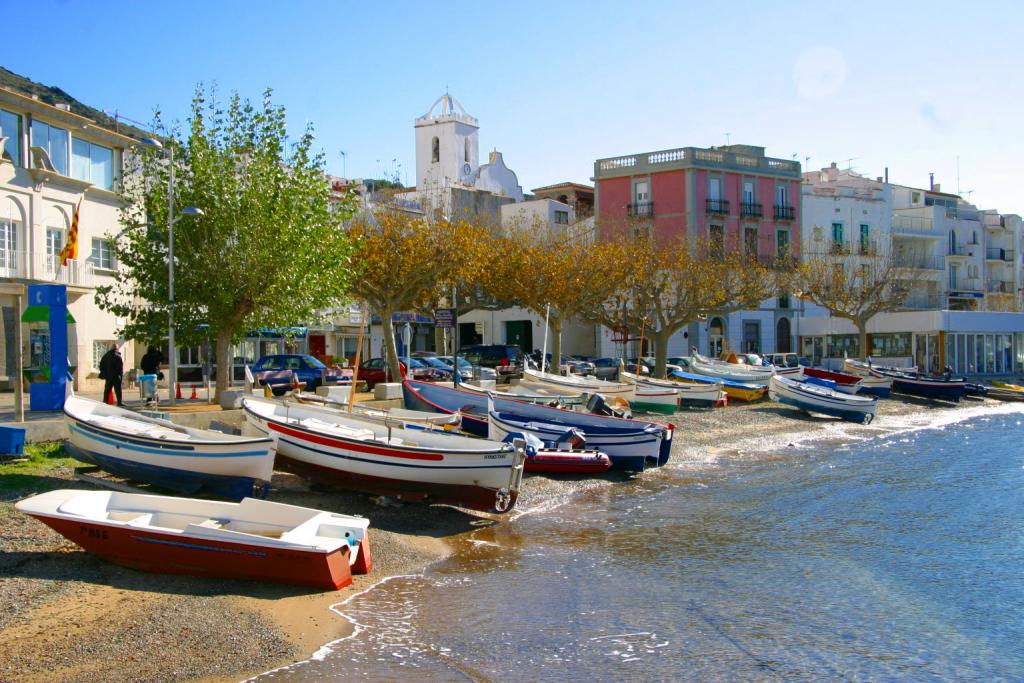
(897,556)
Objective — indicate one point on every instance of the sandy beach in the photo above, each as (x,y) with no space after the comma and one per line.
(68,616)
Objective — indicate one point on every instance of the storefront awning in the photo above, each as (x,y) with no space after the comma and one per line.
(39,314)
(281,332)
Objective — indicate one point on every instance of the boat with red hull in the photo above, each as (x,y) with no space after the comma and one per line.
(255,539)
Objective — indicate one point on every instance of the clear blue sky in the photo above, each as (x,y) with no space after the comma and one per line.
(556,85)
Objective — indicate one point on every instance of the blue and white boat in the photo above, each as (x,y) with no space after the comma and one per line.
(160,452)
(437,398)
(915,384)
(814,398)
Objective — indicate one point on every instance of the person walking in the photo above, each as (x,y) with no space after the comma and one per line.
(150,362)
(112,371)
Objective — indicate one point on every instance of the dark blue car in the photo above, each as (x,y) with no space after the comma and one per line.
(277,370)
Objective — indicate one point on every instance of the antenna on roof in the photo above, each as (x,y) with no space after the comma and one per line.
(849,163)
(728,138)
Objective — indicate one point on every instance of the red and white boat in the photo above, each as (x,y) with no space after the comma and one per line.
(411,464)
(254,539)
(848,384)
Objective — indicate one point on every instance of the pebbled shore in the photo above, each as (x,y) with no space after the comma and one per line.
(68,616)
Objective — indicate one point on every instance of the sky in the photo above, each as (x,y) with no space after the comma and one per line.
(916,88)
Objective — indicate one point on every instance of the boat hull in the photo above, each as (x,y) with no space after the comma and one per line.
(823,401)
(232,469)
(474,422)
(550,461)
(625,452)
(570,385)
(485,479)
(167,553)
(740,391)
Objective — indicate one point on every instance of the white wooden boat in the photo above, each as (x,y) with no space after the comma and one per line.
(686,394)
(528,392)
(160,452)
(571,384)
(393,416)
(254,539)
(813,398)
(747,374)
(870,383)
(412,464)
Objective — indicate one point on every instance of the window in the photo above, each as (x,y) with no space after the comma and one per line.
(865,238)
(748,192)
(750,242)
(54,141)
(784,302)
(751,336)
(102,255)
(562,217)
(54,242)
(641,192)
(8,247)
(781,195)
(915,197)
(714,189)
(10,128)
(435,150)
(837,234)
(782,243)
(953,269)
(99,348)
(465,153)
(716,239)
(92,163)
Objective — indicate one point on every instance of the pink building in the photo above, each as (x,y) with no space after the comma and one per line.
(733,196)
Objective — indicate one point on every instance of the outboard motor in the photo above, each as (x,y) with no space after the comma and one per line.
(573,439)
(598,405)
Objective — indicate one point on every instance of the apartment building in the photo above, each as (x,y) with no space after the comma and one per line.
(964,309)
(730,196)
(52,161)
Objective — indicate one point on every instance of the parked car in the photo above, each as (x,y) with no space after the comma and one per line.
(443,370)
(373,371)
(784,360)
(277,370)
(470,372)
(568,364)
(606,368)
(505,359)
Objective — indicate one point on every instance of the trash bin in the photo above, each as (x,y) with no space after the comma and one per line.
(12,440)
(147,388)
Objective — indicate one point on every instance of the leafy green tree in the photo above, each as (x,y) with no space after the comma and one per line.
(269,249)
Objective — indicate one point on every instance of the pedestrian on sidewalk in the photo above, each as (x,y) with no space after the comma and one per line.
(112,371)
(150,362)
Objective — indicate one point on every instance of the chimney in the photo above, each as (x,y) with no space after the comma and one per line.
(937,187)
(887,174)
(931,181)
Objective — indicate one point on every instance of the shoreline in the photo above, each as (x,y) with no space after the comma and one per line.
(67,615)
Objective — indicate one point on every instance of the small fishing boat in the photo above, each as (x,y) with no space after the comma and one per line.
(254,539)
(870,384)
(721,369)
(527,392)
(576,461)
(411,464)
(813,398)
(160,452)
(687,394)
(571,384)
(470,406)
(1007,385)
(755,361)
(741,391)
(916,384)
(395,416)
(1003,391)
(846,383)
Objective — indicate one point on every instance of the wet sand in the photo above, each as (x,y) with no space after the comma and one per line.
(66,615)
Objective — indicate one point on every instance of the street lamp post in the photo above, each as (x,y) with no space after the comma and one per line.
(172,360)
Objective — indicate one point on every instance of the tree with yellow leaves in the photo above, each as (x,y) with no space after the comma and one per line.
(666,285)
(406,260)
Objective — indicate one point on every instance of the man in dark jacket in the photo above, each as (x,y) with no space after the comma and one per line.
(111,371)
(150,363)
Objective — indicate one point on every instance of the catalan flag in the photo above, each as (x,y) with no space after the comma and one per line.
(70,250)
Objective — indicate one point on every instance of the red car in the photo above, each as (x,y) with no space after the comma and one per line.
(372,372)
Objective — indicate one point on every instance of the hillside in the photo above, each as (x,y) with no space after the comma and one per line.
(52,95)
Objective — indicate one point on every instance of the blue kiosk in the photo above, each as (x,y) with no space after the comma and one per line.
(50,395)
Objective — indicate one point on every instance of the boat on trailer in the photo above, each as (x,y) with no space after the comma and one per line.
(160,452)
(410,464)
(814,398)
(254,539)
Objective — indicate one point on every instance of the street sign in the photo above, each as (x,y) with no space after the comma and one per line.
(444,317)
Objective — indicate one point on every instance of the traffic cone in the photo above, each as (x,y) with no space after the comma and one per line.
(109,399)
(193,392)
(177,393)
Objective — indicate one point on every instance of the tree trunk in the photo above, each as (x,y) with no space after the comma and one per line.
(390,350)
(555,330)
(862,329)
(660,339)
(223,356)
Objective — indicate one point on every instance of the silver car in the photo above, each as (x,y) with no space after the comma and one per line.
(469,372)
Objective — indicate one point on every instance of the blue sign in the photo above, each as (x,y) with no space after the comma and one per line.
(966,295)
(445,317)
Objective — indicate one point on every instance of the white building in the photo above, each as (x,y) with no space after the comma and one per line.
(965,309)
(52,160)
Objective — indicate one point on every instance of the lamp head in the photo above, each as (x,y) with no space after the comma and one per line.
(151,142)
(192,211)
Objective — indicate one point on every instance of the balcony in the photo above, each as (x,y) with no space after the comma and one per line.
(999,287)
(994,222)
(957,251)
(919,262)
(999,254)
(784,212)
(839,249)
(922,302)
(42,267)
(641,209)
(867,247)
(716,206)
(969,284)
(751,210)
(913,226)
